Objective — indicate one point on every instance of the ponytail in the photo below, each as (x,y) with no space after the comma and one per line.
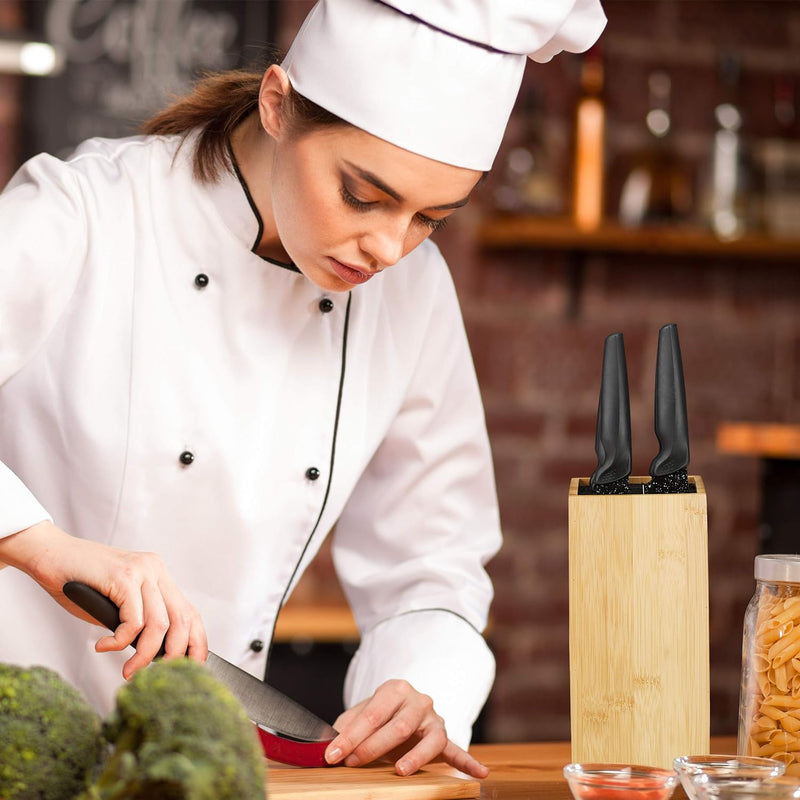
(216,105)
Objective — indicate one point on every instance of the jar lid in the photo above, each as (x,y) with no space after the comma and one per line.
(780,568)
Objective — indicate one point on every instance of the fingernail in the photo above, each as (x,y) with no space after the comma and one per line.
(403,767)
(333,755)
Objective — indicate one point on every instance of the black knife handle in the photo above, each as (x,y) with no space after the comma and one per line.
(98,606)
(671,424)
(613,438)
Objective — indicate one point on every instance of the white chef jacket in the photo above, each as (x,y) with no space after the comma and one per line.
(115,361)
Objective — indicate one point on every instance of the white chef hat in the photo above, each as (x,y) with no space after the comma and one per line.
(436,77)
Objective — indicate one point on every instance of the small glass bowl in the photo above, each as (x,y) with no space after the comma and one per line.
(619,782)
(708,787)
(726,768)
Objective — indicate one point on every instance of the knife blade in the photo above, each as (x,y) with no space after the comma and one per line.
(289,732)
(669,469)
(613,435)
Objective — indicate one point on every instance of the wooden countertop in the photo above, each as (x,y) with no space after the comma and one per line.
(518,772)
(762,439)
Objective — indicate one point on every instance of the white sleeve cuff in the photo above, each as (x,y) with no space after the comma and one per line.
(439,654)
(19,509)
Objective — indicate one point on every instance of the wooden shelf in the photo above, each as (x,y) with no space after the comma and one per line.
(562,234)
(765,440)
(320,623)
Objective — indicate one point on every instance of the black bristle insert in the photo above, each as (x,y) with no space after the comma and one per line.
(620,486)
(674,483)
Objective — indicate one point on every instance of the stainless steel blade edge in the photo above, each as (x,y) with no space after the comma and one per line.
(268,707)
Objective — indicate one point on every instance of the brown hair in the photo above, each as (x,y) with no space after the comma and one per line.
(217,103)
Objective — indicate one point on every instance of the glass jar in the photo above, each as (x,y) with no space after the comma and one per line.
(769,702)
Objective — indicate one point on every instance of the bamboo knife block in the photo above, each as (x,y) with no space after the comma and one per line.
(638,626)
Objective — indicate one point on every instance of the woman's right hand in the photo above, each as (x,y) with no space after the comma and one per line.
(150,605)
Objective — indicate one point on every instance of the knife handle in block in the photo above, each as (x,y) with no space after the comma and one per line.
(98,606)
(613,437)
(671,425)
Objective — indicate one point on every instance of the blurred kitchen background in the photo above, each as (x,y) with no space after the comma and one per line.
(655,179)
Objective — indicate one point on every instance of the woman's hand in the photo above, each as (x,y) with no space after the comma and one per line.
(398,723)
(150,605)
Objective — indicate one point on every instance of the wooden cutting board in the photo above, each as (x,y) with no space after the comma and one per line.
(435,782)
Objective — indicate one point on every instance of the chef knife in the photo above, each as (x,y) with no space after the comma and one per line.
(289,732)
(668,470)
(613,436)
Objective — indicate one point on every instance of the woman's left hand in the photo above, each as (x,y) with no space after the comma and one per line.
(398,723)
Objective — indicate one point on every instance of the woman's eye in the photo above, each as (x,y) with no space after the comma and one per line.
(353,201)
(361,205)
(433,224)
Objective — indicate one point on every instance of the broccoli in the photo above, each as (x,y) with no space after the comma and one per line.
(179,734)
(50,736)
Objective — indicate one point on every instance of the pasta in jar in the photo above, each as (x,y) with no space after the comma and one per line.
(769,705)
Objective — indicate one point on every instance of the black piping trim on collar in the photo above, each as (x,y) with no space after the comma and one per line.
(256,213)
(330,478)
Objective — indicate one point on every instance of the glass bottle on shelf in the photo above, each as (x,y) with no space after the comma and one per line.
(528,183)
(658,186)
(779,163)
(590,123)
(731,196)
(727,212)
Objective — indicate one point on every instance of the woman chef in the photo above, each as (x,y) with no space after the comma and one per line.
(220,339)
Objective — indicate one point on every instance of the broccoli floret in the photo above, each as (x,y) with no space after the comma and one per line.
(50,736)
(179,734)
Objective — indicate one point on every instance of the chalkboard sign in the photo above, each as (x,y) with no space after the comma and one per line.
(127,58)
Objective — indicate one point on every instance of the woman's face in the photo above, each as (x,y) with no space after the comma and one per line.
(348,205)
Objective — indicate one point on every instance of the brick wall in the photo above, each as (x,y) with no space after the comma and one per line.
(537,338)
(539,370)
(537,341)
(10,20)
